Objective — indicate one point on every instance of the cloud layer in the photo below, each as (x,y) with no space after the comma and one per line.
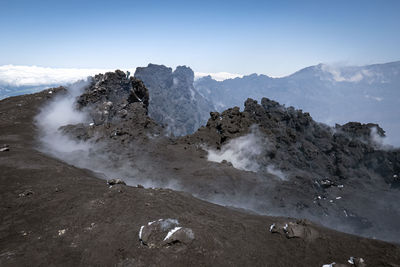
(36,76)
(218,76)
(338,74)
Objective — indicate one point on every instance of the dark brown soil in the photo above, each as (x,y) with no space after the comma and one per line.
(53,214)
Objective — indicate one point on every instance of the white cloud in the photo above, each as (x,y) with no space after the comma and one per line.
(218,76)
(377,98)
(338,76)
(36,76)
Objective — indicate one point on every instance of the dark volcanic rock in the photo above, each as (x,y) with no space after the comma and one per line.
(111,96)
(117,105)
(173,100)
(85,225)
(302,168)
(364,132)
(116,181)
(297,142)
(88,224)
(165,232)
(343,168)
(299,229)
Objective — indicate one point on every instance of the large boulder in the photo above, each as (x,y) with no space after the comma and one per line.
(117,105)
(112,95)
(165,232)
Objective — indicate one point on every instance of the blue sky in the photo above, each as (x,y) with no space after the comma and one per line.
(271,37)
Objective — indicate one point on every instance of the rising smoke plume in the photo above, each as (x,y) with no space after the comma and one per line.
(246,153)
(59,112)
(62,111)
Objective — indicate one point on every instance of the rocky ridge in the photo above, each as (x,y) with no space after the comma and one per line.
(329,173)
(296,141)
(117,105)
(56,214)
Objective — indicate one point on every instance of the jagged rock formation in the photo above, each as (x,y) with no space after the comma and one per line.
(56,214)
(297,142)
(332,173)
(110,96)
(304,169)
(117,106)
(173,100)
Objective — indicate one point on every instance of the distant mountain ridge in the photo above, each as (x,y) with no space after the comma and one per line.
(331,94)
(22,79)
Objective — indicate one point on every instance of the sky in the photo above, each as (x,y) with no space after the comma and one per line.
(275,38)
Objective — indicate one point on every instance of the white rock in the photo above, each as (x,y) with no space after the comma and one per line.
(351,260)
(140,232)
(285,227)
(61,232)
(171,232)
(271,227)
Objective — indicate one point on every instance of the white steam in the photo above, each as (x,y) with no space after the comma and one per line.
(275,171)
(242,152)
(381,142)
(339,73)
(91,154)
(61,112)
(375,137)
(246,153)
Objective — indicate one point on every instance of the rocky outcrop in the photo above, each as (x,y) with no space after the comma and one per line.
(75,219)
(302,168)
(330,174)
(297,142)
(110,96)
(173,100)
(300,229)
(117,105)
(165,232)
(115,181)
